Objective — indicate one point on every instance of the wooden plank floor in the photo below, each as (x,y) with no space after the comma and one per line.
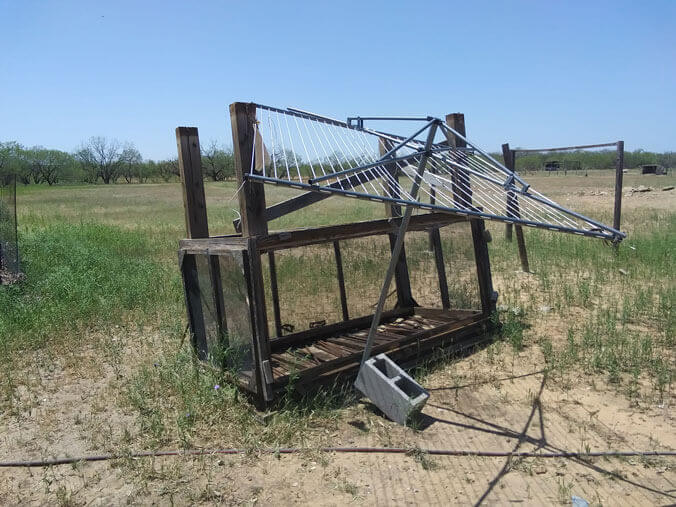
(352,343)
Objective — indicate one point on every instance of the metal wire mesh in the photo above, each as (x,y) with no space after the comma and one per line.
(9,245)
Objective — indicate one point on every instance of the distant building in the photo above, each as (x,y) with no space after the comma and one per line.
(653,169)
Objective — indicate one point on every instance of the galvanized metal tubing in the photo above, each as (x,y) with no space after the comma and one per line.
(312,152)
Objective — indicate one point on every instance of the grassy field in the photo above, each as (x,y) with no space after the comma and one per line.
(102,293)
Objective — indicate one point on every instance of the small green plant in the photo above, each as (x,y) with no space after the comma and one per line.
(423,458)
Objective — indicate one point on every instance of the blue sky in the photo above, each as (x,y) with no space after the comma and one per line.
(532,73)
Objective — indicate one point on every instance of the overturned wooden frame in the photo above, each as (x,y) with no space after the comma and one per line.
(225,296)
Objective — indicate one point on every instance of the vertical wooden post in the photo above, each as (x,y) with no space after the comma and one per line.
(252,194)
(513,210)
(462,196)
(619,172)
(483,266)
(508,157)
(401,274)
(254,224)
(521,243)
(462,192)
(341,279)
(193,304)
(190,167)
(435,239)
(197,226)
(275,293)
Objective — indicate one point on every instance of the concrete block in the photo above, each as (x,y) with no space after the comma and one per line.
(390,389)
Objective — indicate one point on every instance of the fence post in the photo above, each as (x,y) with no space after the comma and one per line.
(508,156)
(514,211)
(619,172)
(254,224)
(197,226)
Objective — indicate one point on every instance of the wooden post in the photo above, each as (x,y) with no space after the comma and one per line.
(341,280)
(508,156)
(252,194)
(401,274)
(193,304)
(275,292)
(190,167)
(197,226)
(462,192)
(483,266)
(619,172)
(512,207)
(254,224)
(435,239)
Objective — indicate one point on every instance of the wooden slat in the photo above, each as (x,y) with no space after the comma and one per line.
(415,338)
(332,329)
(317,235)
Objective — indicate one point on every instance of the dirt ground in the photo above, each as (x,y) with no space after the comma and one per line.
(492,400)
(483,402)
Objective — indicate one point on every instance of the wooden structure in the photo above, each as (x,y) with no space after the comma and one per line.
(223,277)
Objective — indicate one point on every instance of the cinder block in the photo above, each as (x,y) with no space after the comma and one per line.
(390,389)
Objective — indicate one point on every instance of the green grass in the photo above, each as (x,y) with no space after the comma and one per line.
(617,325)
(82,275)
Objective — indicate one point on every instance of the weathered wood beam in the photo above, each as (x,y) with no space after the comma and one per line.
(252,194)
(619,171)
(197,227)
(341,280)
(462,193)
(483,266)
(190,167)
(513,210)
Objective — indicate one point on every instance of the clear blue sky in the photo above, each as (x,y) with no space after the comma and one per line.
(532,73)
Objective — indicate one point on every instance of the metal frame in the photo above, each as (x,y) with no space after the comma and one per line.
(426,150)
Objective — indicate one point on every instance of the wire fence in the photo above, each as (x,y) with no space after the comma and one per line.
(9,246)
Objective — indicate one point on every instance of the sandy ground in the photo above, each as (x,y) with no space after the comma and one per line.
(482,402)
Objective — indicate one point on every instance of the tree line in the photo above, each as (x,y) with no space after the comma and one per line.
(108,161)
(102,160)
(586,160)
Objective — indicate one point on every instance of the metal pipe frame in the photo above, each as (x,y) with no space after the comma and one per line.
(396,250)
(566,148)
(453,211)
(360,119)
